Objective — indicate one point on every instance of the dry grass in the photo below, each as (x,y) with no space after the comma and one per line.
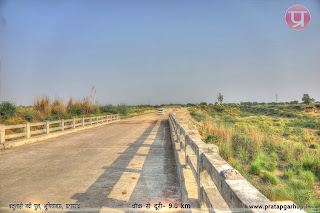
(87,105)
(84,104)
(70,102)
(58,108)
(42,104)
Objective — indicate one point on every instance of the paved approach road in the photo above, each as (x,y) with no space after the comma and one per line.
(104,169)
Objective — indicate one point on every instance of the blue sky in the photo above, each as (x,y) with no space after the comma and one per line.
(163,51)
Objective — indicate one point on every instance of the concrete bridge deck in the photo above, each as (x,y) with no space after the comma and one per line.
(105,169)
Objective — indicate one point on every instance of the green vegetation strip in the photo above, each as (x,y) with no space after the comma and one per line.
(275,147)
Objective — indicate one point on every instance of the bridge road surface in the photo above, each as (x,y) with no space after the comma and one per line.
(104,169)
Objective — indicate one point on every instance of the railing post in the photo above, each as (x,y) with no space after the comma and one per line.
(62,124)
(186,152)
(90,120)
(83,120)
(199,183)
(28,133)
(74,123)
(2,133)
(48,127)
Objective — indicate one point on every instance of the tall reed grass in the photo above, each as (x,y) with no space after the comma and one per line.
(42,104)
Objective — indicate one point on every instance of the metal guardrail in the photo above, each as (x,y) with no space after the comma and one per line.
(48,127)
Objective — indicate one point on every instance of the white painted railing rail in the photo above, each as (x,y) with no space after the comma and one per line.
(213,175)
(48,127)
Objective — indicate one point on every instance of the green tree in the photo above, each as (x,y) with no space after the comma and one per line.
(220,98)
(294,102)
(306,99)
(7,109)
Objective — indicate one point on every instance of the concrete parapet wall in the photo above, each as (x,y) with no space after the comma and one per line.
(217,182)
(46,131)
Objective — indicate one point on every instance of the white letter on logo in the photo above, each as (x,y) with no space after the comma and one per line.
(301,22)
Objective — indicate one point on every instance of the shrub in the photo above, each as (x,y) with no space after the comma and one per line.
(211,139)
(225,151)
(273,156)
(95,109)
(79,111)
(308,178)
(255,167)
(271,166)
(29,114)
(299,149)
(73,110)
(314,146)
(312,163)
(285,192)
(14,121)
(302,197)
(288,174)
(286,132)
(296,184)
(298,131)
(7,109)
(271,178)
(109,109)
(262,158)
(123,109)
(308,162)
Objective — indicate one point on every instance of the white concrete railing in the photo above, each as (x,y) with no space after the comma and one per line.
(213,175)
(47,126)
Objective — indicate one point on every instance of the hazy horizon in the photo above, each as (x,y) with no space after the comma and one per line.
(141,52)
